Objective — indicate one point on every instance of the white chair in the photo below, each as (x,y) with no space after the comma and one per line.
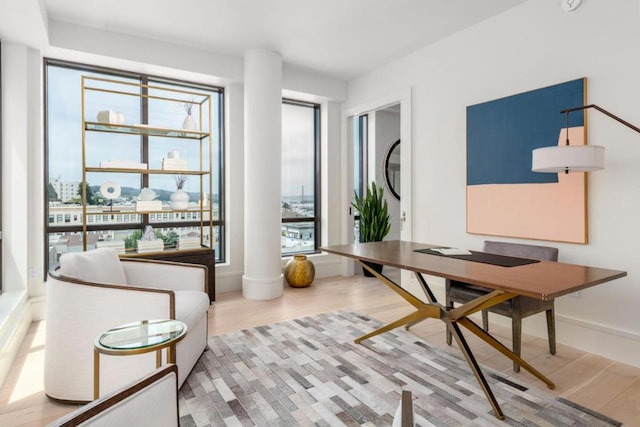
(95,291)
(149,401)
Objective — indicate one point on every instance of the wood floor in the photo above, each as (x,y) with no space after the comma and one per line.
(603,385)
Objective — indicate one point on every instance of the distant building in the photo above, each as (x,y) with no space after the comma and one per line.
(296,236)
(71,215)
(66,190)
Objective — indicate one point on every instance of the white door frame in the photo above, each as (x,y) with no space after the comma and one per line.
(402,97)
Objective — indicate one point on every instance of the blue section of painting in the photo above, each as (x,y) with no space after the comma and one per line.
(502,133)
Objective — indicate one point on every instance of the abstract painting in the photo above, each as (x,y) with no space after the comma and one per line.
(504,197)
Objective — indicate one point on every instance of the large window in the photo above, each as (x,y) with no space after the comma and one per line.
(64,106)
(300,177)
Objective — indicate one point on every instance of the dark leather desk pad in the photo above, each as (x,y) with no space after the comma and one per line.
(485,258)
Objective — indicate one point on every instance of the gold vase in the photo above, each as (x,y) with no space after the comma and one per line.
(299,272)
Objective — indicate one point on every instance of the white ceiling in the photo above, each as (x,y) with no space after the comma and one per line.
(337,38)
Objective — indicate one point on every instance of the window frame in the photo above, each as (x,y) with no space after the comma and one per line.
(316,219)
(1,150)
(143,78)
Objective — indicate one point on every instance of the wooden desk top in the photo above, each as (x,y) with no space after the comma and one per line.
(543,280)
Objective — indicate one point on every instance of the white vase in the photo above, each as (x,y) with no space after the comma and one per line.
(189,123)
(179,200)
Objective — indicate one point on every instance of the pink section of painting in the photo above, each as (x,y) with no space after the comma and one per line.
(552,211)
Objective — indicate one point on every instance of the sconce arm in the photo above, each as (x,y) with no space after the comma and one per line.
(603,111)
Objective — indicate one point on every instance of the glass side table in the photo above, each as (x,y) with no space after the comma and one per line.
(139,337)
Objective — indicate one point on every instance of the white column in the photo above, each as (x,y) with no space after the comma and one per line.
(262,277)
(15,158)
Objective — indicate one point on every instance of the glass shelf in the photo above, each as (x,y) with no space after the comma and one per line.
(147,171)
(129,210)
(145,130)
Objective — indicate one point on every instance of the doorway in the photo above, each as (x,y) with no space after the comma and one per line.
(372,132)
(385,135)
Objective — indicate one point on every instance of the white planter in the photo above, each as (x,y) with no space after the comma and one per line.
(179,200)
(189,123)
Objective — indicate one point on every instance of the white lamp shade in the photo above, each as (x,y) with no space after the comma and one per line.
(571,158)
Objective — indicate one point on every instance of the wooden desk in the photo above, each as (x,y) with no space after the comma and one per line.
(543,280)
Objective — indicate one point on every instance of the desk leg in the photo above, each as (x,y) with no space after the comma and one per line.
(96,374)
(159,357)
(475,368)
(427,292)
(481,333)
(409,319)
(424,310)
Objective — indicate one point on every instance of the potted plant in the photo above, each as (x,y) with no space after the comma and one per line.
(374,218)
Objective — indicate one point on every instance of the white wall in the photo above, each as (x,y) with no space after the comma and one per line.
(22,240)
(530,46)
(387,132)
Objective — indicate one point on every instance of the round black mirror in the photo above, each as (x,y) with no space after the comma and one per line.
(392,169)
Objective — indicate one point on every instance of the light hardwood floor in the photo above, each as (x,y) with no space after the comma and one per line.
(600,384)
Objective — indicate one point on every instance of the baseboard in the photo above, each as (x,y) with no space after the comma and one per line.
(325,266)
(614,344)
(38,308)
(13,332)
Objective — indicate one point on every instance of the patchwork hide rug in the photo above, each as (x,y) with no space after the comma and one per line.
(308,372)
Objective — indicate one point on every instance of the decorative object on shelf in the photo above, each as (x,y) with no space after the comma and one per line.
(118,245)
(145,246)
(122,164)
(299,271)
(110,190)
(111,117)
(189,123)
(147,194)
(374,218)
(189,242)
(204,200)
(149,242)
(180,199)
(174,162)
(146,201)
(148,234)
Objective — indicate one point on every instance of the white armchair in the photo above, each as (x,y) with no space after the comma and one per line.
(95,291)
(129,406)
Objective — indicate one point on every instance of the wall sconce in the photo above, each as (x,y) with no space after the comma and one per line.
(576,158)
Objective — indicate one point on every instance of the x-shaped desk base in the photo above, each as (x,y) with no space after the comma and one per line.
(453,318)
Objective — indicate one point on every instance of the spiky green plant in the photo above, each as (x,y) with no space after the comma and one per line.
(374,215)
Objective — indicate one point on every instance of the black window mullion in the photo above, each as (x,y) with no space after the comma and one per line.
(144,139)
(317,162)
